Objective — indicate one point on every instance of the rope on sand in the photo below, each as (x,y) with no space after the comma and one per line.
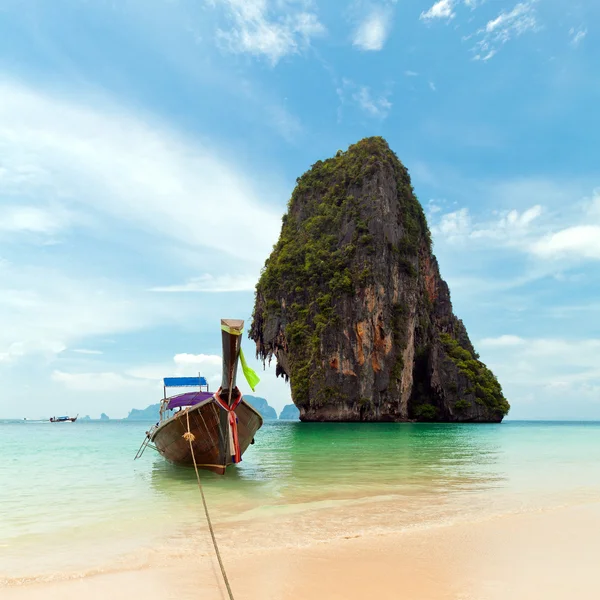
(190,437)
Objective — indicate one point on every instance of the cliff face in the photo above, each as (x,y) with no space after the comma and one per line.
(352,306)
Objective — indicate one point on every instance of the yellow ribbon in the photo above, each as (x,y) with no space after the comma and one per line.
(251,377)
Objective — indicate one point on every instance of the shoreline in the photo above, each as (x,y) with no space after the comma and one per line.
(278,528)
(451,513)
(469,560)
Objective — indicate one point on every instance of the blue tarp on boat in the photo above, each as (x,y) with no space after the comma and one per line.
(184,381)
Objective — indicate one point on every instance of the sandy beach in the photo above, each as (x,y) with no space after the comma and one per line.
(549,554)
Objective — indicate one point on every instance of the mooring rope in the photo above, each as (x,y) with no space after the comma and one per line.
(189,436)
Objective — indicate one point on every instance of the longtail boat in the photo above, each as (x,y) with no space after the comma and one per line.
(63,419)
(222,424)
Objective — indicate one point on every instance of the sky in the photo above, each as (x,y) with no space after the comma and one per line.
(148,149)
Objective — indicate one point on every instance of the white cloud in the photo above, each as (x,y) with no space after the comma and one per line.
(32,219)
(433,207)
(373,31)
(11,351)
(131,168)
(378,107)
(44,312)
(548,362)
(375,106)
(96,163)
(143,383)
(513,19)
(146,376)
(551,378)
(183,364)
(454,225)
(432,86)
(526,232)
(197,359)
(411,74)
(502,341)
(531,330)
(271,29)
(210,283)
(444,9)
(511,228)
(208,365)
(497,32)
(86,351)
(581,241)
(577,35)
(510,225)
(526,218)
(98,382)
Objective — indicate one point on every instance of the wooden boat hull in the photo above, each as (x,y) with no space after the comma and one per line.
(210,450)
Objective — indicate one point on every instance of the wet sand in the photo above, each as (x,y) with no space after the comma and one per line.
(550,554)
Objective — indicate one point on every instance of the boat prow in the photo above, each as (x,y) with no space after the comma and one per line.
(221,426)
(209,448)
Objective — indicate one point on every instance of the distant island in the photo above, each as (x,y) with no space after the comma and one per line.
(268,413)
(262,406)
(150,413)
(290,412)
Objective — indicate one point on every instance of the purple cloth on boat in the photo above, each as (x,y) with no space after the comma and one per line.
(188,399)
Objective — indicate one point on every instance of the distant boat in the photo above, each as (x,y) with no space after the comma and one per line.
(222,424)
(63,419)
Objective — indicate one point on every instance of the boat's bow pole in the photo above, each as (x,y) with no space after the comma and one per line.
(231,336)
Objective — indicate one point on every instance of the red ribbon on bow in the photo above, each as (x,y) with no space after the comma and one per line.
(234,442)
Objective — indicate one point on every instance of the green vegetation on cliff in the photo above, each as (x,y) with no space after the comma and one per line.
(486,387)
(325,248)
(352,305)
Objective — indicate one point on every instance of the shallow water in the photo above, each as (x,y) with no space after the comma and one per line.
(71,496)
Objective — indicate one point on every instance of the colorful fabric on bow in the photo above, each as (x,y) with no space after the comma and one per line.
(232,430)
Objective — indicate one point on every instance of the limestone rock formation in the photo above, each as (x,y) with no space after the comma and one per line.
(289,412)
(262,406)
(150,413)
(352,306)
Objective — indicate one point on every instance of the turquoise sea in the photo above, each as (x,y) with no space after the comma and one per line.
(72,499)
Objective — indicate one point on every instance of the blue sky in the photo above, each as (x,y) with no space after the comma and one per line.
(134,134)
